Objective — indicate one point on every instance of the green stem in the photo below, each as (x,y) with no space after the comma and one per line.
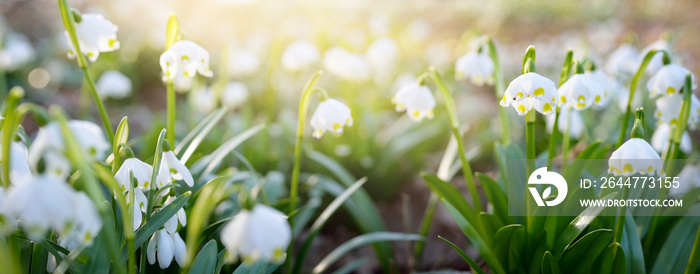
(454,122)
(633,88)
(620,223)
(499,89)
(530,154)
(694,255)
(9,126)
(171,112)
(566,139)
(100,105)
(555,129)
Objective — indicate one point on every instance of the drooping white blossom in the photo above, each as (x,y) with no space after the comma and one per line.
(669,79)
(668,110)
(142,173)
(165,247)
(569,119)
(477,66)
(660,139)
(656,62)
(623,61)
(171,169)
(262,233)
(611,86)
(185,58)
(114,84)
(330,115)
(531,91)
(417,100)
(580,92)
(635,156)
(95,35)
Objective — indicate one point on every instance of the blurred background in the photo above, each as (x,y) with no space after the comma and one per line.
(392,42)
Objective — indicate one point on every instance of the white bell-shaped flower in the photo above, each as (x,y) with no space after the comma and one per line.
(300,55)
(623,61)
(182,84)
(382,54)
(611,86)
(531,91)
(187,58)
(114,84)
(416,100)
(477,66)
(668,110)
(660,139)
(669,79)
(95,34)
(161,246)
(656,61)
(580,92)
(346,65)
(330,115)
(180,217)
(234,94)
(86,218)
(20,172)
(171,169)
(203,100)
(568,115)
(243,62)
(139,207)
(16,52)
(688,179)
(635,156)
(262,233)
(142,172)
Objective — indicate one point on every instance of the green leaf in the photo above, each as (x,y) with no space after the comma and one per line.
(674,254)
(612,260)
(359,241)
(39,258)
(632,246)
(490,223)
(549,264)
(580,256)
(448,192)
(577,226)
(208,163)
(206,260)
(507,243)
(464,256)
(258,267)
(189,144)
(496,197)
(351,267)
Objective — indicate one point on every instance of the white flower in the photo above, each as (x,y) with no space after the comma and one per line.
(114,84)
(575,129)
(165,247)
(635,156)
(477,66)
(580,92)
(660,138)
(186,58)
(330,115)
(260,234)
(16,52)
(234,94)
(346,65)
(95,34)
(139,207)
(142,173)
(86,218)
(172,169)
(669,79)
(180,217)
(300,56)
(610,86)
(243,62)
(19,167)
(203,100)
(656,62)
(403,80)
(382,54)
(529,91)
(416,100)
(688,178)
(668,110)
(623,61)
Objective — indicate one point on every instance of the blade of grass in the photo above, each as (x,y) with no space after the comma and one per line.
(464,256)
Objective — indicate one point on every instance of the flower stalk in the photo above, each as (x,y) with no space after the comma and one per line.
(566,68)
(677,134)
(637,132)
(9,126)
(499,89)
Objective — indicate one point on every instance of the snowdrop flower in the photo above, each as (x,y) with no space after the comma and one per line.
(669,79)
(19,167)
(299,56)
(623,61)
(114,84)
(567,115)
(477,66)
(529,91)
(243,62)
(95,34)
(660,138)
(166,247)
(180,217)
(610,86)
(262,233)
(172,169)
(16,52)
(204,100)
(635,156)
(668,110)
(86,218)
(346,65)
(139,207)
(182,84)
(330,115)
(142,173)
(688,178)
(382,54)
(656,62)
(416,100)
(186,58)
(234,94)
(580,92)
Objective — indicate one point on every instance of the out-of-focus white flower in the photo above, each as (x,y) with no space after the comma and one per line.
(172,169)
(635,156)
(660,138)
(20,172)
(623,61)
(529,91)
(142,172)
(580,92)
(346,65)
(402,81)
(182,84)
(180,217)
(204,100)
(568,115)
(669,79)
(243,62)
(234,94)
(95,34)
(86,218)
(300,55)
(688,178)
(16,52)
(382,54)
(656,62)
(477,66)
(262,233)
(185,58)
(416,100)
(139,207)
(114,84)
(610,86)
(668,110)
(330,115)
(165,246)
